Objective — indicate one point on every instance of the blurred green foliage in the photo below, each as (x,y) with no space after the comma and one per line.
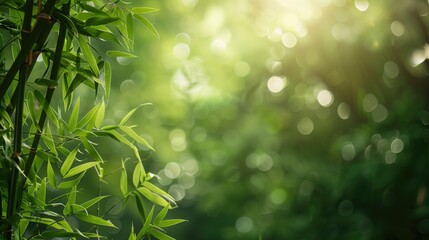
(287,119)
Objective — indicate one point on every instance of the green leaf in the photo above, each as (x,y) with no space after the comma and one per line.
(51,175)
(58,234)
(130,30)
(132,234)
(70,184)
(159,191)
(130,132)
(88,119)
(170,222)
(138,174)
(161,215)
(130,113)
(94,220)
(146,224)
(114,53)
(68,162)
(47,139)
(70,201)
(160,235)
(48,109)
(153,197)
(100,115)
(46,82)
(107,78)
(143,10)
(88,55)
(148,24)
(100,20)
(89,147)
(125,141)
(74,115)
(46,221)
(41,193)
(123,182)
(80,168)
(93,201)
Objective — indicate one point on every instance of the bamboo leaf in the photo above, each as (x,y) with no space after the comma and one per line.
(48,140)
(89,118)
(88,55)
(74,116)
(143,10)
(170,222)
(138,174)
(161,215)
(130,30)
(100,115)
(107,78)
(114,53)
(147,24)
(123,182)
(132,235)
(130,132)
(130,113)
(70,201)
(159,191)
(70,184)
(100,20)
(48,109)
(68,162)
(41,193)
(46,82)
(80,168)
(146,224)
(93,201)
(155,198)
(160,235)
(51,175)
(94,220)
(89,147)
(46,221)
(58,234)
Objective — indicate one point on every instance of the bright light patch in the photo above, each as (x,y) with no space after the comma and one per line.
(181,51)
(343,111)
(397,146)
(242,69)
(417,57)
(380,113)
(218,46)
(348,152)
(397,28)
(325,98)
(278,196)
(244,224)
(276,84)
(305,126)
(289,40)
(362,5)
(391,69)
(172,170)
(370,102)
(178,140)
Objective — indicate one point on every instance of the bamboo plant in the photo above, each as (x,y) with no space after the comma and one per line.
(47,149)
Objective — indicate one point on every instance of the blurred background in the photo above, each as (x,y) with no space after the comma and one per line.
(283,119)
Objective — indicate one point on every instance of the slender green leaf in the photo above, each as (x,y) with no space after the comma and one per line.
(47,108)
(148,24)
(160,235)
(89,147)
(114,53)
(41,193)
(46,221)
(132,235)
(46,82)
(70,201)
(68,162)
(123,182)
(143,10)
(70,184)
(93,201)
(130,132)
(94,220)
(100,115)
(88,55)
(138,174)
(51,175)
(161,215)
(80,168)
(146,224)
(130,30)
(58,234)
(74,115)
(159,191)
(89,118)
(130,113)
(170,222)
(100,20)
(153,197)
(107,78)
(48,140)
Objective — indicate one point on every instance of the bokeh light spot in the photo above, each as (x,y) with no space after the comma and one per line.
(289,40)
(242,68)
(380,113)
(362,5)
(178,139)
(276,84)
(325,98)
(305,126)
(343,111)
(278,196)
(218,46)
(397,28)
(177,192)
(346,208)
(370,102)
(390,157)
(244,224)
(181,51)
(391,69)
(348,152)
(172,170)
(397,146)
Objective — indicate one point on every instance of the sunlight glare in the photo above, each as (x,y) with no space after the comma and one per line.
(276,84)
